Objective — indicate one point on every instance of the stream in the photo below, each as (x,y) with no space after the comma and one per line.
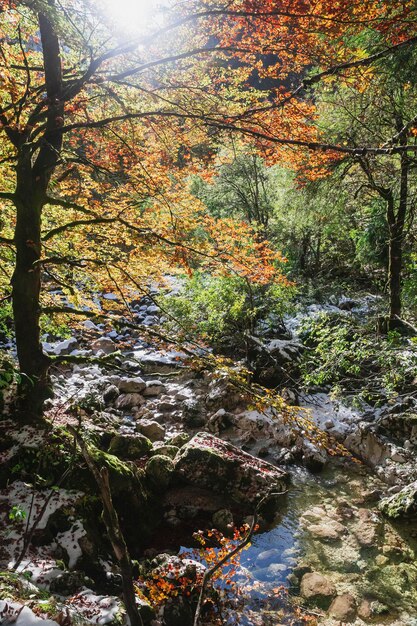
(328,524)
(329,550)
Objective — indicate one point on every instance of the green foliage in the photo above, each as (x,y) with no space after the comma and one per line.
(9,375)
(8,371)
(371,239)
(410,282)
(89,403)
(353,360)
(6,317)
(244,189)
(221,310)
(54,326)
(17,514)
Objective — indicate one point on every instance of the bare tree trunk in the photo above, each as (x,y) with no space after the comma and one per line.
(33,176)
(394,273)
(26,286)
(396,224)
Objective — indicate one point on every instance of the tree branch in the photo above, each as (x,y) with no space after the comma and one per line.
(209,573)
(67,204)
(75,223)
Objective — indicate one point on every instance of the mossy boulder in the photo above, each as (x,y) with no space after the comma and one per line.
(179,440)
(130,446)
(211,463)
(402,504)
(159,469)
(49,452)
(166,450)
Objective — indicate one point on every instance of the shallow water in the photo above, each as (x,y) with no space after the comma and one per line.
(383,571)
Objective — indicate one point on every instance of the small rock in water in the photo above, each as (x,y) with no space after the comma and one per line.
(343,608)
(366,529)
(318,589)
(268,556)
(328,530)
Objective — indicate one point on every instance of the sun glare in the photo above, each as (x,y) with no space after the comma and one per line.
(132,17)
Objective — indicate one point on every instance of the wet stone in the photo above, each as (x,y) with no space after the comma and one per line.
(327,531)
(343,608)
(317,589)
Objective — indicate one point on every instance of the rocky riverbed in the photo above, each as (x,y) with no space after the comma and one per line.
(338,546)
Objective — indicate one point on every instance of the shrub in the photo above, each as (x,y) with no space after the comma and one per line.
(222,310)
(353,360)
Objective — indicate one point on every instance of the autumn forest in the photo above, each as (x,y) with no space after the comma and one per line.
(208,323)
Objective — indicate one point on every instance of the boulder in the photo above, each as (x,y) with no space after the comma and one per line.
(223,395)
(151,429)
(223,520)
(132,385)
(193,414)
(129,446)
(70,582)
(317,589)
(153,388)
(343,608)
(208,462)
(285,350)
(110,393)
(66,346)
(129,400)
(166,450)
(150,320)
(103,344)
(159,469)
(368,445)
(401,504)
(221,420)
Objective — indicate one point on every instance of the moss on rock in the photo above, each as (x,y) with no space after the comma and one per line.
(130,446)
(401,504)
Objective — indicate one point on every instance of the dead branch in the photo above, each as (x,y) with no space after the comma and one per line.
(111,521)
